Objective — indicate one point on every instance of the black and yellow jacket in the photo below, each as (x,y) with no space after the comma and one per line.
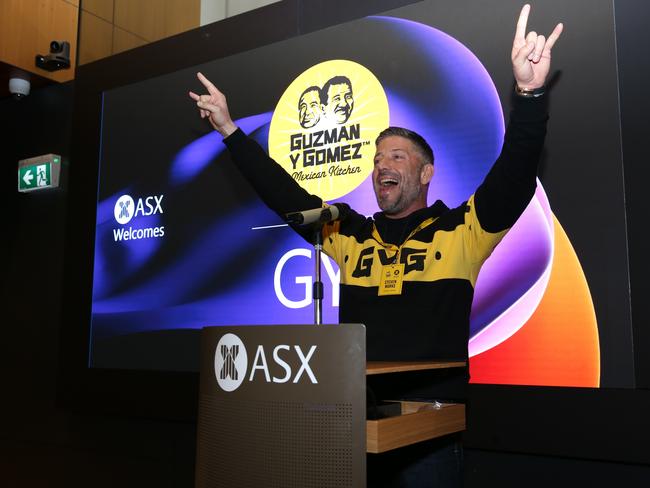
(442,249)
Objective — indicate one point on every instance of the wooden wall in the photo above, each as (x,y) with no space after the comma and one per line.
(104,27)
(28,26)
(112,26)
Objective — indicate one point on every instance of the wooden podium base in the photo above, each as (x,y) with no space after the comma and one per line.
(413,421)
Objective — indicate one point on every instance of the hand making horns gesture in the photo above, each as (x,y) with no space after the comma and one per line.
(214,107)
(531,53)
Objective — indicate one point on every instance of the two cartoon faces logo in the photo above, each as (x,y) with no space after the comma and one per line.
(325,124)
(334,102)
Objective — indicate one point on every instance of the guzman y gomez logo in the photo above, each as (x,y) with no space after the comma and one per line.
(231,364)
(127,209)
(324,126)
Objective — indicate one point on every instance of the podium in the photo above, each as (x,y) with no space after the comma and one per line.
(285,406)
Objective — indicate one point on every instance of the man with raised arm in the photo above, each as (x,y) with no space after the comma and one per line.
(435,252)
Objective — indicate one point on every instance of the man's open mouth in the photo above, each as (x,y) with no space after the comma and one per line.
(388,181)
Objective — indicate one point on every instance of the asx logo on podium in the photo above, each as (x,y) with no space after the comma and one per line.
(231,364)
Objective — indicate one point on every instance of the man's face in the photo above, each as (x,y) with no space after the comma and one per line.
(400,179)
(339,102)
(309,109)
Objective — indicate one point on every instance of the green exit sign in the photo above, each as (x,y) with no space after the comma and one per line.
(39,172)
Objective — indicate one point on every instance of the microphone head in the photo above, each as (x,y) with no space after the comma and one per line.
(319,216)
(294,218)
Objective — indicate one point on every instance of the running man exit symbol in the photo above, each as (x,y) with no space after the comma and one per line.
(43,175)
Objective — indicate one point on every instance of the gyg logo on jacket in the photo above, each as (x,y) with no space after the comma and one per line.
(324,126)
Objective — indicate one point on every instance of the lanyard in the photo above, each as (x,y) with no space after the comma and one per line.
(394,247)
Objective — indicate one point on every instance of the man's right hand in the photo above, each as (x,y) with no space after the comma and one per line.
(214,107)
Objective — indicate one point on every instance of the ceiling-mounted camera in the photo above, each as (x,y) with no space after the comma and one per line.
(59,57)
(19,87)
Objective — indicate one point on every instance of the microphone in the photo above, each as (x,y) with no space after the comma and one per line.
(337,211)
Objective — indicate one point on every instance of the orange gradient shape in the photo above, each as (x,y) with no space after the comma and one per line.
(558,345)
